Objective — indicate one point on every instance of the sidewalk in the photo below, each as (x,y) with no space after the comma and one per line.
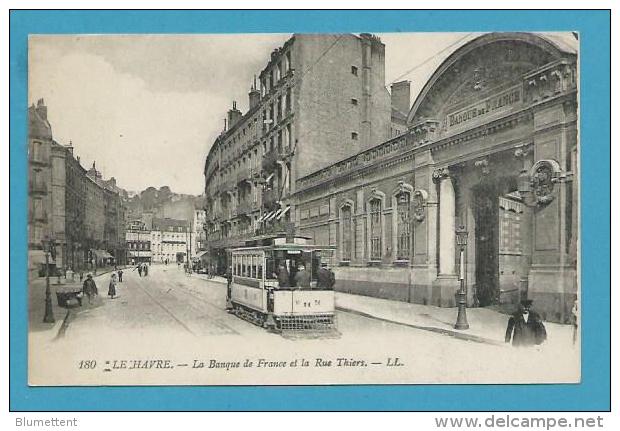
(485,325)
(36,309)
(36,304)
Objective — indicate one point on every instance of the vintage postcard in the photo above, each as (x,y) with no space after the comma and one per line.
(303,209)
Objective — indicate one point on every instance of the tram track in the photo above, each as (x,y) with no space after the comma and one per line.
(166,309)
(177,286)
(187,291)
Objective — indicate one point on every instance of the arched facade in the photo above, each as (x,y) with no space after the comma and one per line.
(492,146)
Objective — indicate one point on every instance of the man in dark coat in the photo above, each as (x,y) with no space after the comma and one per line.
(229,280)
(283,276)
(89,287)
(326,277)
(525,327)
(302,278)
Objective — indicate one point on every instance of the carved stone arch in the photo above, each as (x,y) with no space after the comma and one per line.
(375,194)
(483,64)
(402,187)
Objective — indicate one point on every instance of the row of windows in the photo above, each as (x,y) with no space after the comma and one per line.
(142,245)
(375,213)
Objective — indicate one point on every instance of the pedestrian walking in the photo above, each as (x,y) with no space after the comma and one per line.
(229,279)
(326,277)
(112,286)
(139,269)
(145,270)
(81,275)
(302,278)
(120,275)
(525,327)
(89,288)
(575,314)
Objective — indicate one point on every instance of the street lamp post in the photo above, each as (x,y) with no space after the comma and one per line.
(48,245)
(461,294)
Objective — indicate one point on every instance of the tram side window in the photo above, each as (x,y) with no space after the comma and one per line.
(316,264)
(238,265)
(270,268)
(254,259)
(260,268)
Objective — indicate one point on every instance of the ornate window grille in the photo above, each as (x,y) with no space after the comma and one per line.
(346,233)
(403,225)
(375,229)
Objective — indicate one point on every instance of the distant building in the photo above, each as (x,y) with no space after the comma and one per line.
(138,243)
(170,239)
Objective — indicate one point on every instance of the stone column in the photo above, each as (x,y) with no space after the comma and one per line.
(446,221)
(525,153)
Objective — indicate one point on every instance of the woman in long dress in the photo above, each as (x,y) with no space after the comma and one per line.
(112,286)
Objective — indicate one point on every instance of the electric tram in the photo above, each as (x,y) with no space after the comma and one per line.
(260,293)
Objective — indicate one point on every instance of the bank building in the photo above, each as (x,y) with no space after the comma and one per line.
(489,146)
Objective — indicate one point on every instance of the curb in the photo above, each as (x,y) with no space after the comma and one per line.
(63,327)
(455,334)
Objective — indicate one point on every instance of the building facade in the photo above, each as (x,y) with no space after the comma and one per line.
(492,146)
(170,240)
(138,242)
(319,99)
(39,175)
(68,204)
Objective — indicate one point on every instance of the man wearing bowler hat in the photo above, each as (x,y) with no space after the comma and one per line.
(525,327)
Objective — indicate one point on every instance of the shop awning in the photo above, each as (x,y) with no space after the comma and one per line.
(200,254)
(284,211)
(273,215)
(266,216)
(102,254)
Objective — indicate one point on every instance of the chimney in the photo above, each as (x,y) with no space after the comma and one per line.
(234,115)
(41,109)
(401,96)
(254,95)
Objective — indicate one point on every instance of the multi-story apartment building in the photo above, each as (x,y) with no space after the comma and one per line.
(138,238)
(75,207)
(39,195)
(170,240)
(320,98)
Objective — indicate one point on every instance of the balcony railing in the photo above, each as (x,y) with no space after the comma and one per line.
(271,157)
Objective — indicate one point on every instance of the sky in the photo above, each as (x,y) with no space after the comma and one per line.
(147,108)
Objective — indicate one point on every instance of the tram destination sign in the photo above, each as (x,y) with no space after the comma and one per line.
(491,105)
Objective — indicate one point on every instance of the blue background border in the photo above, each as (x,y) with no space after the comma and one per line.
(594,391)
